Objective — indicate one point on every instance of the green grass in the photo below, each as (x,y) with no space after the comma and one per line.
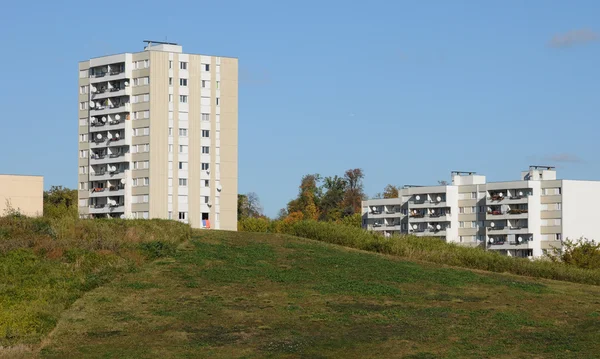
(45,265)
(426,249)
(250,295)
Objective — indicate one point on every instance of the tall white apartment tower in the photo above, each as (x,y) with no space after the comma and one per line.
(158,136)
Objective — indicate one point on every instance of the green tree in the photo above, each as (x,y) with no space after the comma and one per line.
(354,193)
(60,202)
(309,196)
(333,196)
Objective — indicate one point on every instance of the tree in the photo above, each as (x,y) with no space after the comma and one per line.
(354,191)
(249,206)
(331,202)
(60,202)
(390,191)
(282,214)
(308,199)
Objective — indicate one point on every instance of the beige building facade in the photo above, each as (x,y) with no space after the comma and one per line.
(24,194)
(158,134)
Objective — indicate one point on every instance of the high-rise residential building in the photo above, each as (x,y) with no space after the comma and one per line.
(158,136)
(523,218)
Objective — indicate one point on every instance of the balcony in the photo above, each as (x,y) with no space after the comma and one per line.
(114,191)
(427,204)
(113,92)
(109,110)
(105,175)
(504,230)
(111,75)
(106,208)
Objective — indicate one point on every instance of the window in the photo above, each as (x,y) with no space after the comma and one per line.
(206,67)
(218,85)
(205,84)
(146,63)
(83,154)
(140,98)
(182,216)
(481,209)
(182,82)
(205,117)
(183,132)
(83,89)
(82,170)
(183,149)
(170,131)
(544,207)
(558,206)
(558,236)
(473,209)
(83,105)
(138,115)
(83,186)
(473,224)
(170,64)
(170,81)
(183,182)
(140,165)
(170,215)
(205,133)
(218,102)
(473,195)
(461,210)
(140,148)
(205,166)
(183,166)
(205,150)
(83,202)
(142,131)
(170,98)
(461,224)
(206,183)
(83,137)
(183,65)
(183,98)
(206,199)
(170,148)
(141,81)
(83,74)
(83,122)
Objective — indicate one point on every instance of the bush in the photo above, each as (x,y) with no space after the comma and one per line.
(437,251)
(583,254)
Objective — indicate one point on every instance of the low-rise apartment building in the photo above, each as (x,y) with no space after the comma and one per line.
(522,218)
(24,194)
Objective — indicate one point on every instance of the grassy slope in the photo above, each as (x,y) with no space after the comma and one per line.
(244,295)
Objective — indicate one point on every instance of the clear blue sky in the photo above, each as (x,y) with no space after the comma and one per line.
(406,90)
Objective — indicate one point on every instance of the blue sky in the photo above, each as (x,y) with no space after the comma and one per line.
(405,90)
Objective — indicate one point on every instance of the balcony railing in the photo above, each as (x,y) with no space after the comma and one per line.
(116,72)
(116,155)
(495,213)
(100,173)
(417,215)
(518,211)
(116,188)
(97,157)
(98,189)
(115,122)
(98,124)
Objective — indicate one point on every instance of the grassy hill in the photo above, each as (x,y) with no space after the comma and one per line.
(249,295)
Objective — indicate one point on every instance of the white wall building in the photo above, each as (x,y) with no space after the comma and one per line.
(520,218)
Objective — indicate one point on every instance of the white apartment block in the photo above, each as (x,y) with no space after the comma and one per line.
(521,218)
(158,133)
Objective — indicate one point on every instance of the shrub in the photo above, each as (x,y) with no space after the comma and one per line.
(582,253)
